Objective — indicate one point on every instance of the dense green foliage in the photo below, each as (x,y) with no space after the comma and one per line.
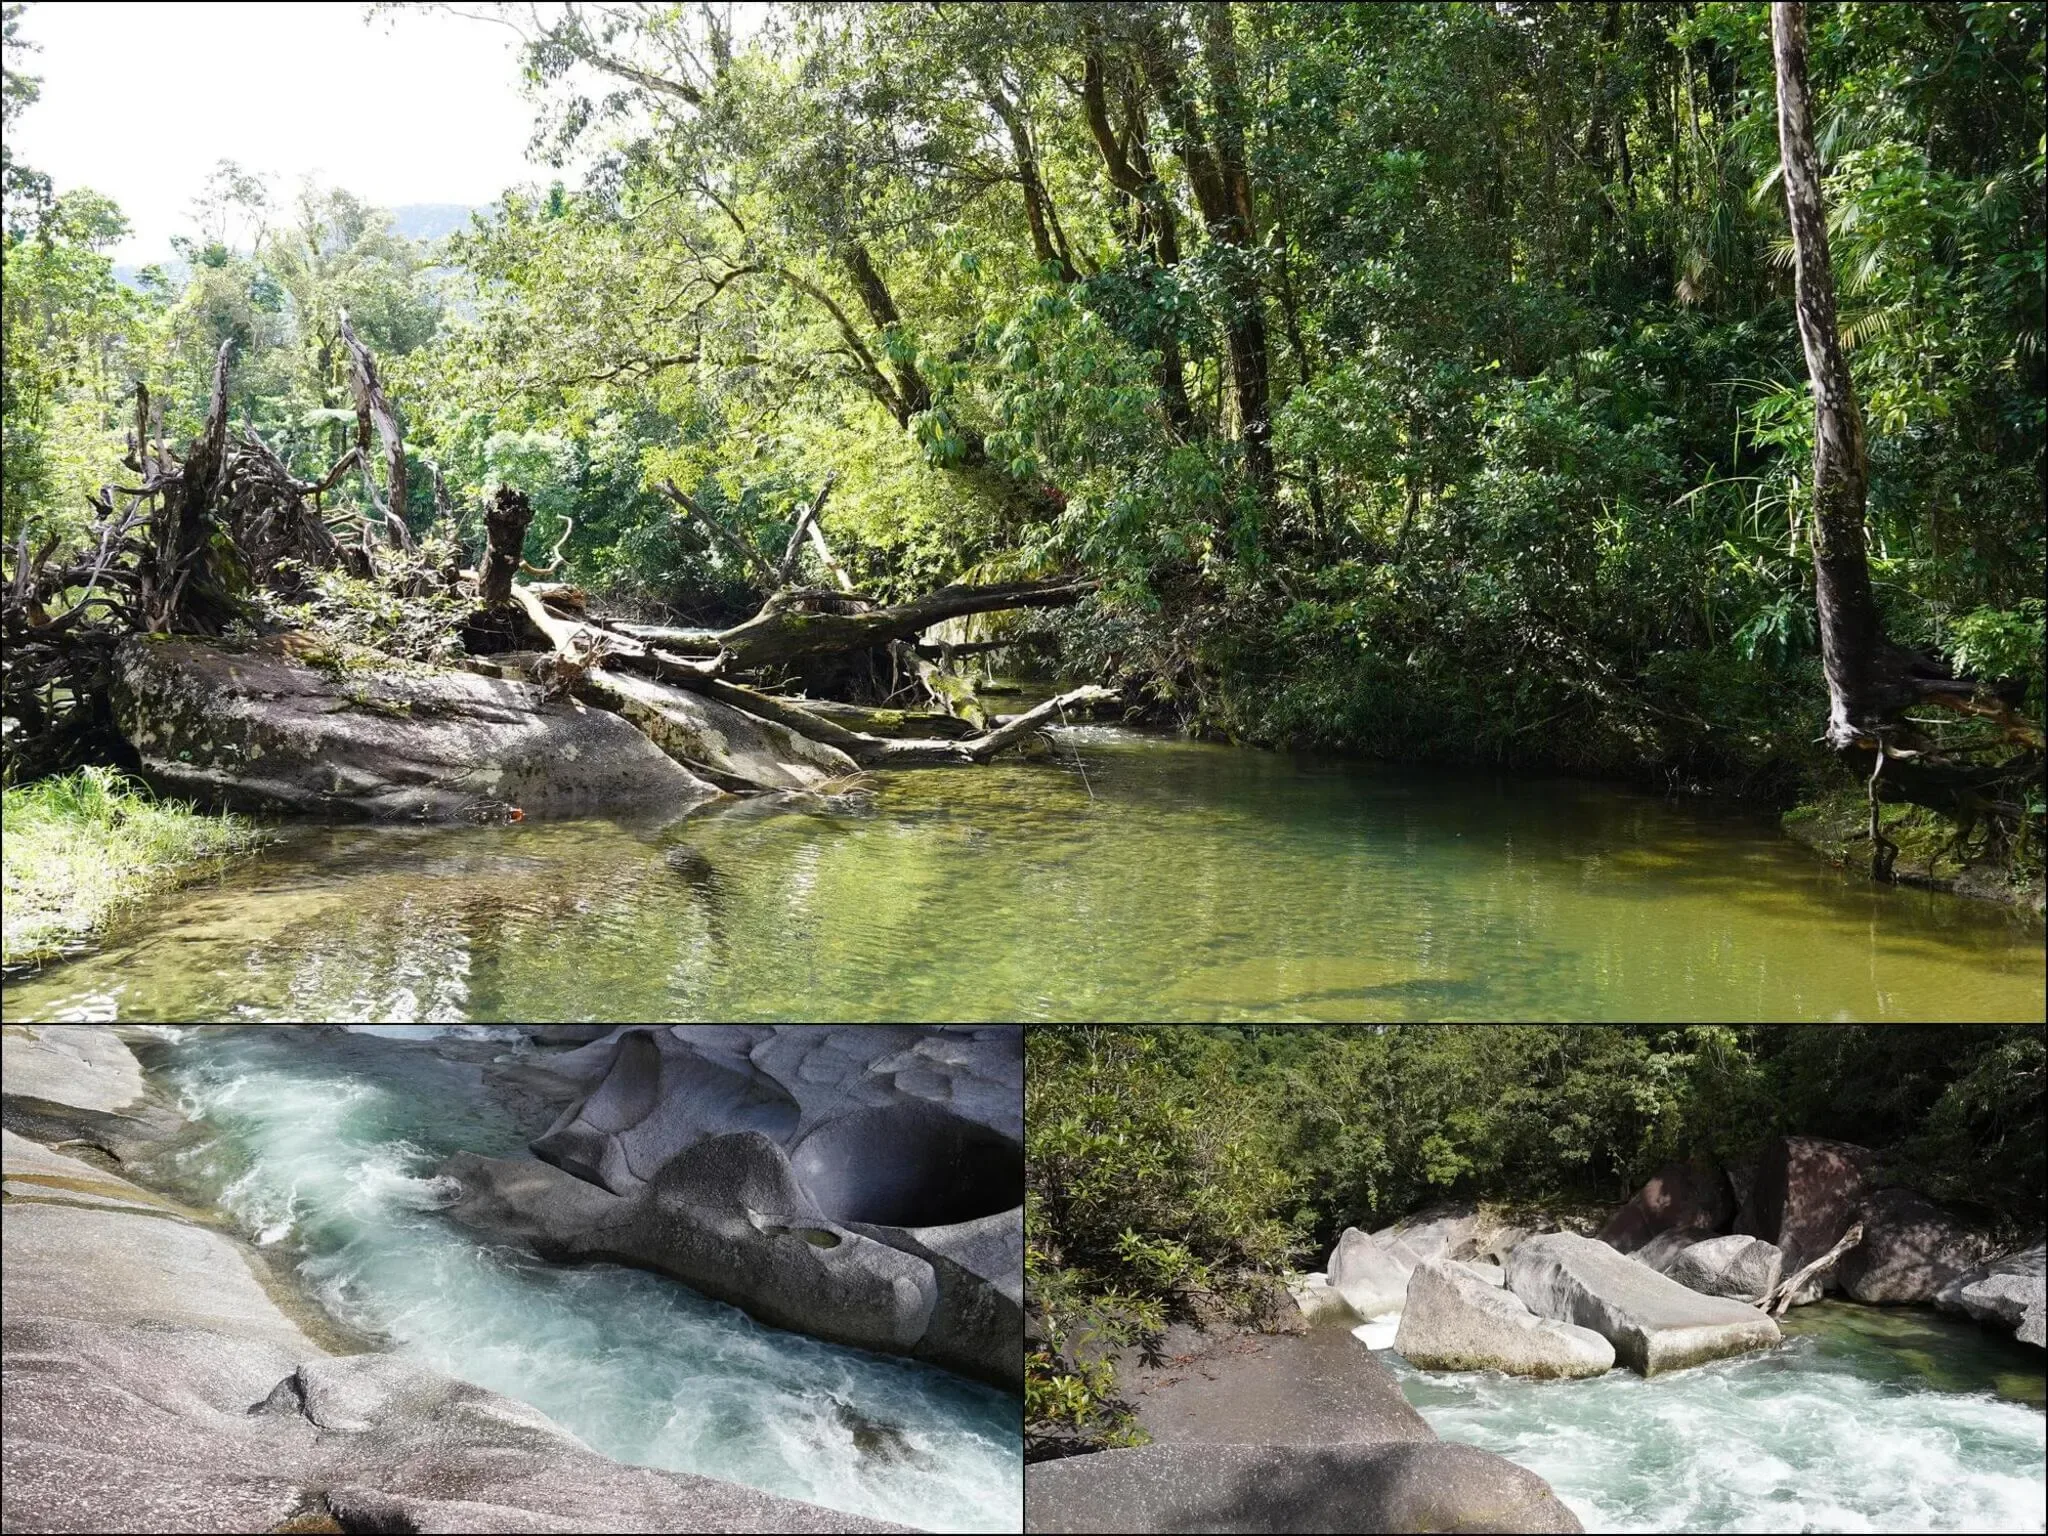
(1421,378)
(1170,1168)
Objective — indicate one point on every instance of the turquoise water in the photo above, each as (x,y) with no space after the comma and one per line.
(1130,877)
(1864,1419)
(324,1150)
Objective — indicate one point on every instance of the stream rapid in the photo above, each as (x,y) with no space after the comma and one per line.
(1128,877)
(320,1144)
(1864,1419)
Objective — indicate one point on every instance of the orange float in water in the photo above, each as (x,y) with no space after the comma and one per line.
(516,814)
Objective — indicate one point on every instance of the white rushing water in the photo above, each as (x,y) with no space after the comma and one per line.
(1821,1434)
(327,1147)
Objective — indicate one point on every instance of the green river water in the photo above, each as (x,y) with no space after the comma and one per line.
(1132,877)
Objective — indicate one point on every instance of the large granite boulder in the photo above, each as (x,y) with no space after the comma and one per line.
(1911,1248)
(1805,1197)
(861,1184)
(2011,1292)
(1320,1303)
(1454,1321)
(1439,1232)
(1370,1273)
(281,725)
(1412,1486)
(1738,1267)
(83,1065)
(1655,1324)
(1679,1197)
(723,745)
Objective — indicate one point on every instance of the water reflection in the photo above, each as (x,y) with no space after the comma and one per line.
(1173,879)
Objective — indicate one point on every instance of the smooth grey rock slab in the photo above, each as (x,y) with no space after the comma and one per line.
(1739,1267)
(82,1065)
(1911,1248)
(1439,1232)
(1318,1303)
(1480,1269)
(1663,1250)
(1454,1321)
(1423,1486)
(148,1382)
(861,1184)
(1654,1324)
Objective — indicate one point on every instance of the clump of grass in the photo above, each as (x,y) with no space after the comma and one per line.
(78,849)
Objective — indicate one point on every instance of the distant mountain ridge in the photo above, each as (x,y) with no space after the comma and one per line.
(416,221)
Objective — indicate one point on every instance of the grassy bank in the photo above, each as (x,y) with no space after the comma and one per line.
(76,851)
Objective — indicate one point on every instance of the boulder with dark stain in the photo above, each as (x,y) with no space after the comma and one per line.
(1911,1248)
(1679,1197)
(282,724)
(1806,1194)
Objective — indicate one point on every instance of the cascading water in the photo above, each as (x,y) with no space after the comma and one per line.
(324,1146)
(1862,1420)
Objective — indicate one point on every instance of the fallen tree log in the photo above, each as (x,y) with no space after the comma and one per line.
(789,628)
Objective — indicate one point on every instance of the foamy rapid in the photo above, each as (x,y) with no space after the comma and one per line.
(1786,1440)
(336,1160)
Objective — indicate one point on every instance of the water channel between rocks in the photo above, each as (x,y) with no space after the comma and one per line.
(320,1146)
(1864,1419)
(1131,877)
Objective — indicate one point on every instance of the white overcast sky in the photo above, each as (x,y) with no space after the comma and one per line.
(140,102)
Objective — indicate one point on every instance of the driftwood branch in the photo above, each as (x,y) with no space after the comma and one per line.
(1790,1288)
(372,406)
(747,558)
(783,631)
(806,520)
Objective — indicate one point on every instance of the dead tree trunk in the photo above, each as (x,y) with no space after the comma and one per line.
(506,516)
(788,627)
(372,406)
(1849,631)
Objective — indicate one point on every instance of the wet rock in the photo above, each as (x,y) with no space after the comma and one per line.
(1805,1196)
(280,725)
(863,1185)
(2011,1292)
(723,745)
(1653,1323)
(1679,1197)
(1910,1250)
(1371,1275)
(149,1383)
(1427,1486)
(82,1065)
(1738,1267)
(1454,1321)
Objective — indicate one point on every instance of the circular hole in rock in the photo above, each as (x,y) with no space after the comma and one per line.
(908,1165)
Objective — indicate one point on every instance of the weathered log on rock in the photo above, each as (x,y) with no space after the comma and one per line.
(787,629)
(723,745)
(506,517)
(893,724)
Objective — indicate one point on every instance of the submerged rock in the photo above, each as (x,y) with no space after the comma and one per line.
(1911,1248)
(1416,1486)
(1654,1324)
(1679,1197)
(1738,1267)
(282,725)
(1454,1321)
(1805,1197)
(2011,1292)
(861,1184)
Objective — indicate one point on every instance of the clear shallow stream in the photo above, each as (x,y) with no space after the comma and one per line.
(323,1148)
(1864,1419)
(1134,877)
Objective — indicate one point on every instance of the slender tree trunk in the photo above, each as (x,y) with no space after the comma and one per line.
(1849,631)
